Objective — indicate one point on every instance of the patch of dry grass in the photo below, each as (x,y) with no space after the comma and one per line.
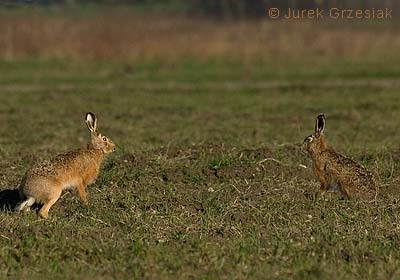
(123,33)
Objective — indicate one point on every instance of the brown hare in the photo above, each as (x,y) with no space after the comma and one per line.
(336,172)
(44,182)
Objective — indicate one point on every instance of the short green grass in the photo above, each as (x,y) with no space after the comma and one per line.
(208,179)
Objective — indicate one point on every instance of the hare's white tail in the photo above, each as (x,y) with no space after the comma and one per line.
(25,203)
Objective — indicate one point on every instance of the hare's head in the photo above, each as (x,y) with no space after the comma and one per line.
(98,141)
(316,141)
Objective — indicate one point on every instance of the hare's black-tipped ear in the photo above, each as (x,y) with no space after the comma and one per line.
(91,122)
(320,124)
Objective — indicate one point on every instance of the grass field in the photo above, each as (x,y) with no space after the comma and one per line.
(208,180)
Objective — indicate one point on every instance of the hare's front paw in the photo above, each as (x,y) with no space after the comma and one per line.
(82,194)
(85,202)
(44,214)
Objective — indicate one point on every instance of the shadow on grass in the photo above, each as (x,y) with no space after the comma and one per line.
(9,200)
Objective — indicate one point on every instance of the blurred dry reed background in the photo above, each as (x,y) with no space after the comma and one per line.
(123,33)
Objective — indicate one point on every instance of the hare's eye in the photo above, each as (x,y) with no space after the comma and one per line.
(310,139)
(104,138)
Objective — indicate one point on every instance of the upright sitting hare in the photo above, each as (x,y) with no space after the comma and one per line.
(43,183)
(336,172)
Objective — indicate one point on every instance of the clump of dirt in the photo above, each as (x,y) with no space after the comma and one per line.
(138,160)
(245,171)
(192,152)
(295,150)
(394,155)
(256,154)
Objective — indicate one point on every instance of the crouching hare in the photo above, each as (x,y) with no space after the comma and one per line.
(335,172)
(44,182)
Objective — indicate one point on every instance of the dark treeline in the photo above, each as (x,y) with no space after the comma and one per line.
(228,8)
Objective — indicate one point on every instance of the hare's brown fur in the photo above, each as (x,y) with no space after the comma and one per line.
(45,181)
(337,172)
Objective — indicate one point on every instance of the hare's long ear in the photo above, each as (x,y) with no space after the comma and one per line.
(320,124)
(91,122)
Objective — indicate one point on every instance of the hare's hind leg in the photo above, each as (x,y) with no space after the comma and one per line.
(25,203)
(44,211)
(343,189)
